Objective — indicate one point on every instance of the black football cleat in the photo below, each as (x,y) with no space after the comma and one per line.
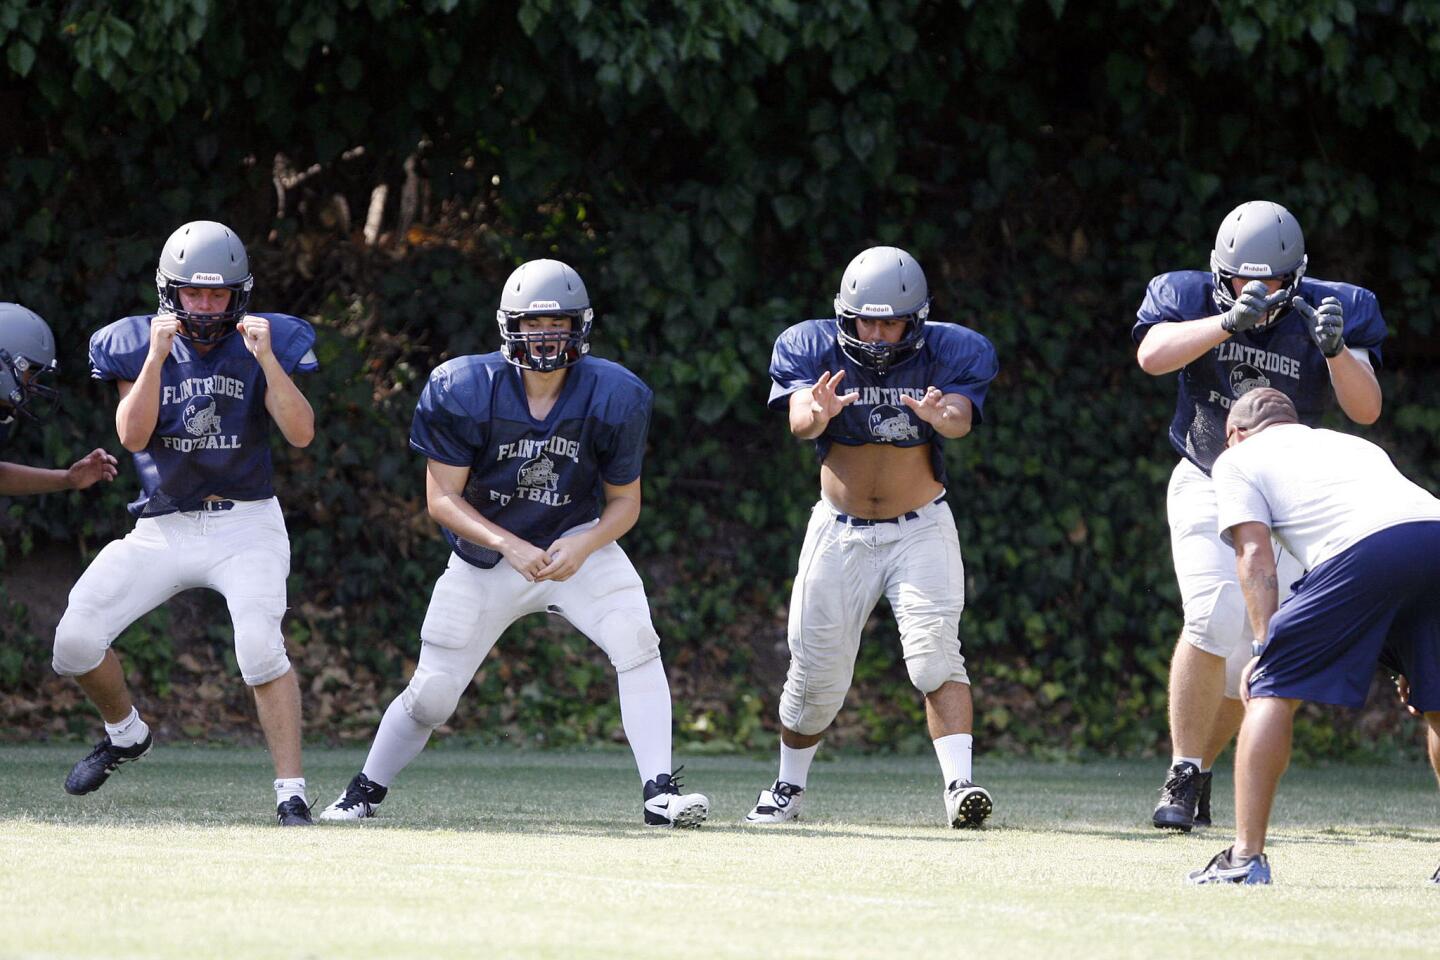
(967,805)
(666,806)
(1202,806)
(294,812)
(91,773)
(358,801)
(1176,809)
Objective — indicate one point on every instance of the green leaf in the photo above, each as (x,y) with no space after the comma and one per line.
(1246,34)
(530,17)
(21,57)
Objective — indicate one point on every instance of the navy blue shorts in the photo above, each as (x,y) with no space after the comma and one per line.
(1378,599)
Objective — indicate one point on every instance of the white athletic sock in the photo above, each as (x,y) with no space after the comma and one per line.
(645,714)
(129,731)
(1194,760)
(287,787)
(795,764)
(398,741)
(954,754)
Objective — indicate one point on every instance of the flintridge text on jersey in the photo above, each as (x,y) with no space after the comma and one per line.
(532,448)
(216,386)
(1263,360)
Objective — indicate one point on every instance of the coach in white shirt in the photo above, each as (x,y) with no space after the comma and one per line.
(1369,540)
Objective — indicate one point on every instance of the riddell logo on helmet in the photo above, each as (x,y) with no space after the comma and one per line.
(544,304)
(206,278)
(1256,269)
(877,310)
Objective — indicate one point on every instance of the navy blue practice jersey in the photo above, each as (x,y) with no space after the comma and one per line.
(1281,354)
(5,427)
(212,435)
(534,478)
(955,359)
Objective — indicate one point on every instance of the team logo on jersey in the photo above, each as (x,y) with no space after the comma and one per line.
(201,418)
(1244,378)
(892,425)
(538,473)
(440,377)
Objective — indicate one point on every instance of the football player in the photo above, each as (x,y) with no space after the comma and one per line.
(200,383)
(533,458)
(878,388)
(27,355)
(1255,319)
(1368,538)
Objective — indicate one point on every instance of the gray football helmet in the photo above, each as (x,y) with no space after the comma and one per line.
(882,283)
(1258,240)
(27,352)
(204,253)
(544,288)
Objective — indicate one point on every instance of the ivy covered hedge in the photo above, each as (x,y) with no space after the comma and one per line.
(709,167)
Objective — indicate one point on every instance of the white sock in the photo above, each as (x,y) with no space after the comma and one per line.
(1194,760)
(398,741)
(287,787)
(954,754)
(795,764)
(645,714)
(129,731)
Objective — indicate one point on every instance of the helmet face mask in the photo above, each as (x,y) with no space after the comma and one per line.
(882,283)
(880,355)
(27,354)
(1258,240)
(544,288)
(545,351)
(208,255)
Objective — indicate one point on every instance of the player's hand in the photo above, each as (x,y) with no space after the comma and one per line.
(1251,308)
(163,328)
(256,331)
(1402,692)
(1325,323)
(1245,679)
(527,559)
(825,401)
(90,469)
(929,408)
(567,555)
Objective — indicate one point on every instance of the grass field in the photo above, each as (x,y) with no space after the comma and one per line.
(500,853)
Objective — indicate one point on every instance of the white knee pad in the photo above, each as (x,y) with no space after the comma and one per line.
(932,670)
(628,639)
(808,706)
(431,698)
(79,646)
(1217,621)
(259,641)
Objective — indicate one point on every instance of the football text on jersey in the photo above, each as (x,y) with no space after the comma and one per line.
(201,413)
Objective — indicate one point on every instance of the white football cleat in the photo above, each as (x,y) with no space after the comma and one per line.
(967,805)
(778,803)
(358,801)
(666,806)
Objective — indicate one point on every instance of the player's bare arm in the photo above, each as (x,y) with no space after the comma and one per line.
(1356,388)
(284,402)
(444,496)
(949,413)
(1170,346)
(139,407)
(1259,582)
(812,409)
(17,479)
(622,509)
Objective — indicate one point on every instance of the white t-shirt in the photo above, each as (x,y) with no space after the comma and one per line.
(1319,491)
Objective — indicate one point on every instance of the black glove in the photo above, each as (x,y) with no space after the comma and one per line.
(1326,324)
(1249,310)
